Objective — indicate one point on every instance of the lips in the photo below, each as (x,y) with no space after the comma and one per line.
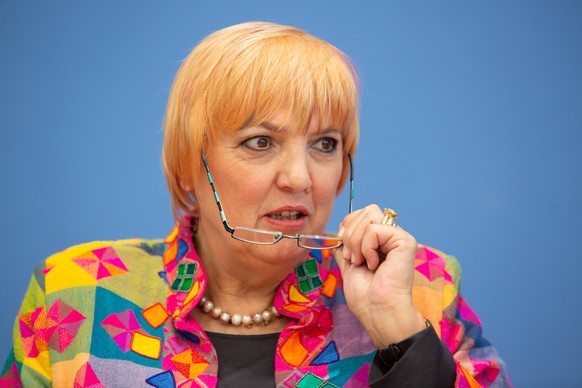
(286,215)
(291,216)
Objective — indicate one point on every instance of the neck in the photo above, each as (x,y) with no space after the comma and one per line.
(240,282)
(242,290)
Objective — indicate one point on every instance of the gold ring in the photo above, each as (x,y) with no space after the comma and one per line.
(390,217)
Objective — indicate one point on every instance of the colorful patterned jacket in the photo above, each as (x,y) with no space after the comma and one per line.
(108,314)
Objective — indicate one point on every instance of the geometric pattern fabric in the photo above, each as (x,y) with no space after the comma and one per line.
(327,356)
(120,326)
(310,381)
(308,276)
(86,378)
(155,315)
(184,277)
(190,363)
(323,346)
(101,263)
(34,341)
(63,323)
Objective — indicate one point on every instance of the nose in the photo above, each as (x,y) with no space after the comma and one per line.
(294,174)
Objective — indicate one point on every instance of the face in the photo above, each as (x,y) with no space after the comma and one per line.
(268,177)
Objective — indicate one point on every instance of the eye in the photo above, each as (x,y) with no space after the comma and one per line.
(258,143)
(326,144)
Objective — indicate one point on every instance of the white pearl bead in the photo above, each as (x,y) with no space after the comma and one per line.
(225,317)
(216,312)
(267,316)
(246,320)
(236,319)
(257,319)
(208,306)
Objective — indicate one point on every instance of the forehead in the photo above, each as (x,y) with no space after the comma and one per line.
(290,121)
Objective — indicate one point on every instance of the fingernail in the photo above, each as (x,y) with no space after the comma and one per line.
(353,258)
(345,253)
(340,233)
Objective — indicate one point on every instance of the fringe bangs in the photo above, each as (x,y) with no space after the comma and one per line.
(295,74)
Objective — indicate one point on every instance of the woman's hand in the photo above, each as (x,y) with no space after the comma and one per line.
(377,266)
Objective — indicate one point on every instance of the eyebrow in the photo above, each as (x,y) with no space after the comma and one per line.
(275,128)
(271,127)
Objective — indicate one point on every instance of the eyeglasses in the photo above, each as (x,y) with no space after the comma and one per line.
(268,237)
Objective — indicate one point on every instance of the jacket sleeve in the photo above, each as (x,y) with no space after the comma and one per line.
(426,363)
(477,361)
(28,363)
(461,357)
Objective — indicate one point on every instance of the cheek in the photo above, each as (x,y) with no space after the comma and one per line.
(243,190)
(327,184)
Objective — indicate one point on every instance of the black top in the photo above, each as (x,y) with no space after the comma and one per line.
(245,360)
(249,361)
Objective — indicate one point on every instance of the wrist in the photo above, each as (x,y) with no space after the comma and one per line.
(394,352)
(392,328)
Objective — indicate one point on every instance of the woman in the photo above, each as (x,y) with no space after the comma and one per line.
(261,125)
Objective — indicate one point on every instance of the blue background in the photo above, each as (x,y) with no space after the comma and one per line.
(471,128)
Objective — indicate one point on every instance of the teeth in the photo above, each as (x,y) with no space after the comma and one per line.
(286,215)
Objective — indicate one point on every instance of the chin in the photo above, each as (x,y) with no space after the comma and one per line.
(283,252)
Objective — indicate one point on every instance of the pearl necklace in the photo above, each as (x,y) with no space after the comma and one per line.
(248,321)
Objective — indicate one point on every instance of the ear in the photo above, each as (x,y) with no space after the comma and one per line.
(186,186)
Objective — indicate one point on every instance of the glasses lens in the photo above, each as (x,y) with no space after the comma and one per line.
(256,236)
(319,242)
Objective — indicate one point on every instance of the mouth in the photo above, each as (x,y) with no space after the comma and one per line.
(288,219)
(287,215)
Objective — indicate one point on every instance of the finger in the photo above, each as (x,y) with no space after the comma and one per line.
(358,229)
(381,241)
(354,239)
(342,251)
(344,233)
(376,235)
(400,250)
(375,245)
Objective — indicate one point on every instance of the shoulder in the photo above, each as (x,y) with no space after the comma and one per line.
(436,286)
(435,264)
(101,248)
(92,263)
(89,294)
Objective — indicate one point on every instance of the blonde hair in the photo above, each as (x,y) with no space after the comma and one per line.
(242,76)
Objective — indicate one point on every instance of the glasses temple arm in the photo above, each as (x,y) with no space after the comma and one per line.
(222,216)
(351,182)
